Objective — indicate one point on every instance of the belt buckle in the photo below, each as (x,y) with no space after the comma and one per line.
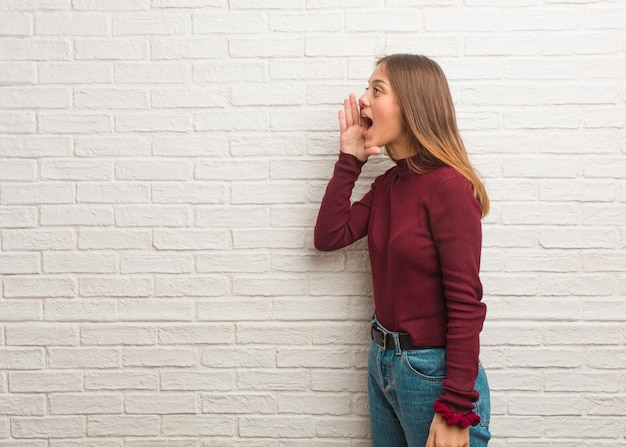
(385,333)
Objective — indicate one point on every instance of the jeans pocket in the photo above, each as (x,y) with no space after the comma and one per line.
(427,364)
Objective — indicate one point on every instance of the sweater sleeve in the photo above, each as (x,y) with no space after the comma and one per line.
(456,227)
(340,223)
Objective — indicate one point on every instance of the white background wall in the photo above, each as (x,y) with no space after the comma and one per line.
(161,166)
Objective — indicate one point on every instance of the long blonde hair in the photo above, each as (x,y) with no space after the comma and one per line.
(429,117)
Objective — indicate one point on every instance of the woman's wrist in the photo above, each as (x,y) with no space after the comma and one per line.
(462,420)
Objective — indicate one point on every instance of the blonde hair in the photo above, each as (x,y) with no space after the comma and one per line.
(429,117)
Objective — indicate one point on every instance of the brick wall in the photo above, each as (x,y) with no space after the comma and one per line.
(161,166)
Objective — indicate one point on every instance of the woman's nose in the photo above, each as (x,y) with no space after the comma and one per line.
(363,101)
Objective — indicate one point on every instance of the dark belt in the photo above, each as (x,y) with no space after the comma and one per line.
(386,341)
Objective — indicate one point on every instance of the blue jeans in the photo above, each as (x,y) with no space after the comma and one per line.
(403,386)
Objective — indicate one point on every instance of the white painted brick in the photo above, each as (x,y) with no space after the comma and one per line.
(153,170)
(275,238)
(105,5)
(300,309)
(267,193)
(545,358)
(117,335)
(185,146)
(229,71)
(17,122)
(123,425)
(150,216)
(18,73)
(19,25)
(122,380)
(45,382)
(111,99)
(196,48)
(150,72)
(186,334)
(54,24)
(42,286)
(76,169)
(19,263)
(75,358)
(196,192)
(30,5)
(101,49)
(318,403)
(75,215)
(232,120)
(161,357)
(241,216)
(124,286)
(117,192)
(86,403)
(187,3)
(35,50)
(275,426)
(155,310)
(315,69)
(113,239)
(239,403)
(48,427)
(34,193)
(26,358)
(309,22)
(338,380)
(186,285)
(192,240)
(97,442)
(72,262)
(266,47)
(40,334)
(342,427)
(38,239)
(188,98)
(200,425)
(231,358)
(153,24)
(400,20)
(269,285)
(261,333)
(34,98)
(16,169)
(274,380)
(152,122)
(249,262)
(157,263)
(605,17)
(217,169)
(344,45)
(103,146)
(23,405)
(240,309)
(212,380)
(172,403)
(228,22)
(75,123)
(270,94)
(75,73)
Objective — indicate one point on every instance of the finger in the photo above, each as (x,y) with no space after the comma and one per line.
(348,110)
(342,121)
(355,109)
(431,440)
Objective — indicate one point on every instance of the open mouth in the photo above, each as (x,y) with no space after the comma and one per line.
(366,123)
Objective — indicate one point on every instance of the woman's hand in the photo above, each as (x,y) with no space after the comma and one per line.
(351,140)
(444,435)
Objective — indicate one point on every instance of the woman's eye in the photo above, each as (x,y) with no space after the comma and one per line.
(376,90)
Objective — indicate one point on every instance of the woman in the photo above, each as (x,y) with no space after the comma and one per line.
(423,221)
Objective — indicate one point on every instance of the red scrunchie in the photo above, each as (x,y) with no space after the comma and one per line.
(462,420)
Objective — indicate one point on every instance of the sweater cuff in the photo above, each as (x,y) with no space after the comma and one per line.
(462,420)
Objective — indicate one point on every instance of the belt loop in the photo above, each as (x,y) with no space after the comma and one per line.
(396,340)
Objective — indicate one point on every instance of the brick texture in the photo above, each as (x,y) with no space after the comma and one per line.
(161,166)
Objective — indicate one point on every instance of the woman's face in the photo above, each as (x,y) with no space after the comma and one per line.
(381,116)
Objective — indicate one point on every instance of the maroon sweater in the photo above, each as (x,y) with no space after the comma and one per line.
(424,238)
